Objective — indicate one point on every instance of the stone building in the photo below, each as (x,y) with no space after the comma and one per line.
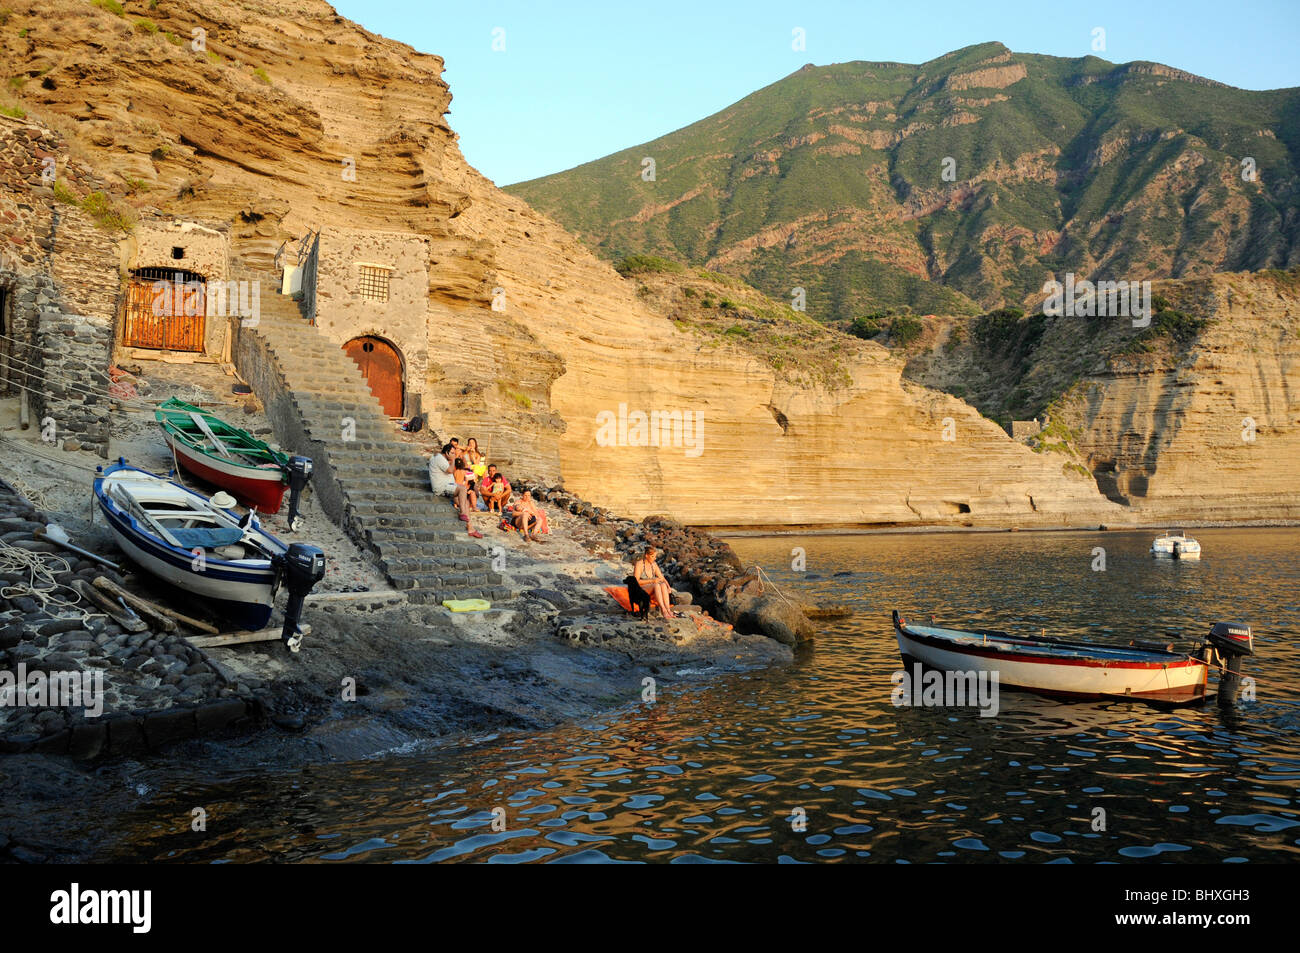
(177,295)
(369,292)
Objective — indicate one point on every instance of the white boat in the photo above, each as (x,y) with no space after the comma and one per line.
(1176,544)
(191,542)
(1057,667)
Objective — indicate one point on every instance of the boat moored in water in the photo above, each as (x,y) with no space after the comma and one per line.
(1076,669)
(1177,545)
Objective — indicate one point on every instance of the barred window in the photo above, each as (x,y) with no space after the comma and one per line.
(374,282)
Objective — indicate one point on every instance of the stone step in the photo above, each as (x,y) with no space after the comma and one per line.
(452,540)
(421,545)
(373,483)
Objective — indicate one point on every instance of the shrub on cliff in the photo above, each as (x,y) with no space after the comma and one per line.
(864,328)
(997,330)
(1169,325)
(646,264)
(905,329)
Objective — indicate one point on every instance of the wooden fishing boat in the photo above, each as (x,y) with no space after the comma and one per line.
(191,542)
(1057,667)
(225,456)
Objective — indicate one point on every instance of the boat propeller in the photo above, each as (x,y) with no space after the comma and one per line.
(299,473)
(301,567)
(1225,646)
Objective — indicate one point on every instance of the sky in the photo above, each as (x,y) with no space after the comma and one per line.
(568,82)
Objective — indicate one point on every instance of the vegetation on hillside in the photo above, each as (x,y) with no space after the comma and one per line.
(833,180)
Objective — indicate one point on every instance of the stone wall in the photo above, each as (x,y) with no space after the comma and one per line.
(205,250)
(1024,429)
(342,314)
(61,272)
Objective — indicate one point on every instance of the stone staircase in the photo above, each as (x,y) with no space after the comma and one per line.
(374,485)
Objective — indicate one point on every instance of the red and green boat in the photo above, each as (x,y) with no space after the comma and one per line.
(225,456)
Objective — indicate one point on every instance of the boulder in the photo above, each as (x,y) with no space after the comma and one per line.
(768,614)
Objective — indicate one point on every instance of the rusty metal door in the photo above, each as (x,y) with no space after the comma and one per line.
(381,366)
(165,311)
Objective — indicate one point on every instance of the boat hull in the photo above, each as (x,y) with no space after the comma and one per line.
(1024,667)
(259,488)
(240,591)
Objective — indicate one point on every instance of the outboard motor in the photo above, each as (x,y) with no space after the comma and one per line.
(1228,643)
(299,474)
(301,567)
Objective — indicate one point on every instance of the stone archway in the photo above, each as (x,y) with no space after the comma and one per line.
(381,365)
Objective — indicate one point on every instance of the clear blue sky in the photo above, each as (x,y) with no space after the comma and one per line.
(579,80)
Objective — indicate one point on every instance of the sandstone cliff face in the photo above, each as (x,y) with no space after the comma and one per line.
(1212,432)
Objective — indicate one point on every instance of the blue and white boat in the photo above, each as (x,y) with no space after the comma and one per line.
(193,543)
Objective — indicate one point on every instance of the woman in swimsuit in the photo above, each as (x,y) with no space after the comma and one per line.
(651,578)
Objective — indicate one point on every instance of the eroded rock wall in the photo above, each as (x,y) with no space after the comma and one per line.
(1212,433)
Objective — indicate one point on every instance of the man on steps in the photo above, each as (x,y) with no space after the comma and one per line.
(444,484)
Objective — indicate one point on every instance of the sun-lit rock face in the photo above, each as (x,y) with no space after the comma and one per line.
(1212,433)
(265,133)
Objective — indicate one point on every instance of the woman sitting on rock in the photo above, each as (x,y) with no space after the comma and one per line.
(527,518)
(648,575)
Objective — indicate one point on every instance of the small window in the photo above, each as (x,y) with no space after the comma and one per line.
(374,283)
(178,252)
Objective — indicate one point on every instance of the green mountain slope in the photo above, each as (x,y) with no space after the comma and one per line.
(833,180)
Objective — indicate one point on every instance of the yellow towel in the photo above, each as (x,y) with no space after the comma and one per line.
(467,605)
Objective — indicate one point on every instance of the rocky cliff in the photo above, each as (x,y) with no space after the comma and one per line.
(255,129)
(1211,429)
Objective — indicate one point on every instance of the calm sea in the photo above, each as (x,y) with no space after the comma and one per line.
(814,764)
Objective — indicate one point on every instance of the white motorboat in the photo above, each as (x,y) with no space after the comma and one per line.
(1176,544)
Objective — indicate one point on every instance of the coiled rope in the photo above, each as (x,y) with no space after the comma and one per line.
(41,584)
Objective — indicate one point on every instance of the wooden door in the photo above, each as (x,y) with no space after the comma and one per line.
(165,311)
(381,366)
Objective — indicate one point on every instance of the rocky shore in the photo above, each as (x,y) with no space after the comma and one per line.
(150,687)
(701,566)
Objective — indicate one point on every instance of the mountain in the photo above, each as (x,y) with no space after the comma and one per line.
(833,179)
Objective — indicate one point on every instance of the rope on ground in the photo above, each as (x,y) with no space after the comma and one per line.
(37,450)
(41,585)
(32,495)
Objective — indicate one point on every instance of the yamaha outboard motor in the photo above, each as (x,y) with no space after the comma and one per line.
(301,567)
(1227,644)
(299,474)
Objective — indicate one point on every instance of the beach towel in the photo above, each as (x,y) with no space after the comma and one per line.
(619,595)
(467,605)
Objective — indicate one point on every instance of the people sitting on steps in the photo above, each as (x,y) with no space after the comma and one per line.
(496,490)
(464,477)
(474,459)
(647,574)
(443,482)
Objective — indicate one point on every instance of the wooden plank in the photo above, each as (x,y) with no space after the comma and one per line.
(127,619)
(151,609)
(384,595)
(239,638)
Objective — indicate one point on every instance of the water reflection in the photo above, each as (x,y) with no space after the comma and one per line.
(725,772)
